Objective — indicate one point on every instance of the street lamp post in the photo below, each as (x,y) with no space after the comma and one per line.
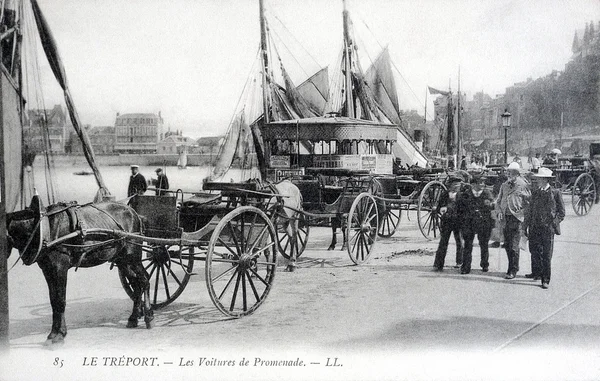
(506,124)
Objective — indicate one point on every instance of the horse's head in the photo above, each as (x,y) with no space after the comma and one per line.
(19,226)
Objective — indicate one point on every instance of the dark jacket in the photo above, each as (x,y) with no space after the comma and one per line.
(546,209)
(162,182)
(449,201)
(137,185)
(475,211)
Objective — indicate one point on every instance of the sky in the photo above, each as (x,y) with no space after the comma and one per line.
(189,59)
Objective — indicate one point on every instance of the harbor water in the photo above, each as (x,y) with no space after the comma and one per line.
(69,186)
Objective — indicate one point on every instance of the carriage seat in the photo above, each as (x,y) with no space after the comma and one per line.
(201,198)
(310,191)
(158,213)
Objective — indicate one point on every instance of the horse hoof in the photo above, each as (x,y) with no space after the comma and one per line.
(58,339)
(150,324)
(290,268)
(332,247)
(132,323)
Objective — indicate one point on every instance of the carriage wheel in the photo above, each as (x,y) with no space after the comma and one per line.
(388,217)
(241,261)
(389,222)
(286,241)
(168,271)
(428,209)
(362,227)
(583,194)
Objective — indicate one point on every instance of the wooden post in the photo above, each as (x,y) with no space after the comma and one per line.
(4,316)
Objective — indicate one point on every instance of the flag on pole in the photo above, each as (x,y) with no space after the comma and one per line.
(433,91)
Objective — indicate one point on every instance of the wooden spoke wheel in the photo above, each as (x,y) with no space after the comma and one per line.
(388,217)
(389,221)
(428,209)
(583,194)
(168,270)
(290,243)
(241,261)
(362,227)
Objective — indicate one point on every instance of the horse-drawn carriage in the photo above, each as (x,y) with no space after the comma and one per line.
(579,177)
(417,190)
(229,226)
(584,191)
(348,205)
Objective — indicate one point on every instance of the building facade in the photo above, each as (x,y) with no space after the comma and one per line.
(175,144)
(54,122)
(138,133)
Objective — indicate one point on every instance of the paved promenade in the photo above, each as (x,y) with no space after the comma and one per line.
(390,319)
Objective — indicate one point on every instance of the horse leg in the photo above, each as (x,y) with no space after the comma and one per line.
(55,267)
(344,238)
(335,222)
(134,282)
(292,232)
(145,288)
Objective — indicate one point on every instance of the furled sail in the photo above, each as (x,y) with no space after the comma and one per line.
(237,152)
(12,130)
(315,90)
(16,156)
(51,50)
(381,82)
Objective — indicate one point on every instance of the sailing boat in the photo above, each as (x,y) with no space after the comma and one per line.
(448,120)
(16,155)
(182,160)
(297,119)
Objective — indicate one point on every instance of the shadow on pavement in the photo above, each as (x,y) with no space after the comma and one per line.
(474,333)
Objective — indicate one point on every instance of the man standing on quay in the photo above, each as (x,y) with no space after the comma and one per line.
(510,207)
(475,205)
(542,221)
(137,182)
(161,183)
(450,224)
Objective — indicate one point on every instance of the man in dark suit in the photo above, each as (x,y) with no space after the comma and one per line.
(137,182)
(542,221)
(161,183)
(474,205)
(449,225)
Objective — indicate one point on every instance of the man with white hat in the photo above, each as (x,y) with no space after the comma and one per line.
(137,182)
(510,205)
(542,221)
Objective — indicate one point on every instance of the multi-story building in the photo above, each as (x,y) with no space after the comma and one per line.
(175,143)
(138,133)
(46,125)
(103,139)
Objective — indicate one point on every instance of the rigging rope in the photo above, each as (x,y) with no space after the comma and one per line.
(395,67)
(295,39)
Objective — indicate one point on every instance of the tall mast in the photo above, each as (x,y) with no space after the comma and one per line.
(458,142)
(265,61)
(348,64)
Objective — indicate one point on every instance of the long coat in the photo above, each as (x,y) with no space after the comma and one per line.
(546,209)
(475,212)
(137,185)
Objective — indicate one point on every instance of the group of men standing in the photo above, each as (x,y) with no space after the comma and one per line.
(522,209)
(139,186)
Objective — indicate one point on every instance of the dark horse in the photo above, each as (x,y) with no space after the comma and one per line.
(67,235)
